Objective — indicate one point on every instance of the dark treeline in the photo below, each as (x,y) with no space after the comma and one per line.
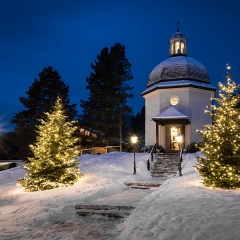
(106,116)
(138,123)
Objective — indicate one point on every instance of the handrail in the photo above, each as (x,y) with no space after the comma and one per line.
(150,156)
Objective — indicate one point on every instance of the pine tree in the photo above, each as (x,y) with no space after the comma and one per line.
(121,75)
(41,97)
(220,168)
(55,161)
(106,108)
(138,123)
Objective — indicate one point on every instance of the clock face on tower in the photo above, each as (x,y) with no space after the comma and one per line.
(174,101)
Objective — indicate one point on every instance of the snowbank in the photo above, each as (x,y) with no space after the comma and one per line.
(184,209)
(180,209)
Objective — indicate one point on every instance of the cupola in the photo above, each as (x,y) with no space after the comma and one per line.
(178,44)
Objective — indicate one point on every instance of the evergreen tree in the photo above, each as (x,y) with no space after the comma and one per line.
(138,123)
(8,149)
(121,69)
(106,108)
(55,155)
(42,95)
(220,143)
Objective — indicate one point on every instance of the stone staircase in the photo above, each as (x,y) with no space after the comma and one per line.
(165,165)
(115,207)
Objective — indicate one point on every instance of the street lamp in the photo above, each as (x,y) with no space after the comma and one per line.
(134,141)
(179,139)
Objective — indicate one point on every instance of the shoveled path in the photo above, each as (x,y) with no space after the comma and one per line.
(99,218)
(104,228)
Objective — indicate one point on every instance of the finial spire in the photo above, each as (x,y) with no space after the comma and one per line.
(178,26)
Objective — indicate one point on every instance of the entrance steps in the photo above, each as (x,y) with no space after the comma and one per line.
(165,165)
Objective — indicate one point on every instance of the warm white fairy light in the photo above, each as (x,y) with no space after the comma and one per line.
(221,141)
(54,163)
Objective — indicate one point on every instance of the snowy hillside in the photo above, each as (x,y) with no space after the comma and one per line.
(180,209)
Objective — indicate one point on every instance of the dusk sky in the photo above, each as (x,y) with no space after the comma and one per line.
(68,35)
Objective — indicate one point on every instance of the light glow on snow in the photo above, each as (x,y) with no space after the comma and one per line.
(179,209)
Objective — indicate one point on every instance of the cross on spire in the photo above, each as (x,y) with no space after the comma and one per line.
(178,26)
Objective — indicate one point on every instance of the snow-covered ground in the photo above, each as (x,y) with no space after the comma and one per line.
(180,209)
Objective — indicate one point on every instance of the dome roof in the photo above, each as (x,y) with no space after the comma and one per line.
(178,68)
(178,35)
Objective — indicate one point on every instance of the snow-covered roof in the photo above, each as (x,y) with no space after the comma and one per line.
(170,113)
(178,35)
(177,84)
(178,68)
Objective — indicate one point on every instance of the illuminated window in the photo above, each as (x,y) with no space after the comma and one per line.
(182,47)
(177,48)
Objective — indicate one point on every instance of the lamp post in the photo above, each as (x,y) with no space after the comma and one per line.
(134,141)
(179,139)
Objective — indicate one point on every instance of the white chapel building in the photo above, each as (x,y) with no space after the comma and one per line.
(178,91)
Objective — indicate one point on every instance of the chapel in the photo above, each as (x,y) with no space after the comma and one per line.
(177,93)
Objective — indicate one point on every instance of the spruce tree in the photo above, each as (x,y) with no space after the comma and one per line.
(55,161)
(220,168)
(41,97)
(105,110)
(121,75)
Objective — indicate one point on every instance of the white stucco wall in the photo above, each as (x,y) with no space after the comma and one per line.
(152,103)
(199,99)
(192,103)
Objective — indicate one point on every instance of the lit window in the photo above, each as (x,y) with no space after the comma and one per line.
(177,48)
(182,47)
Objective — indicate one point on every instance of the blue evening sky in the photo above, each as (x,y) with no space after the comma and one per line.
(68,35)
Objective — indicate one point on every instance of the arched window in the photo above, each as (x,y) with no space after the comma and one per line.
(182,47)
(177,48)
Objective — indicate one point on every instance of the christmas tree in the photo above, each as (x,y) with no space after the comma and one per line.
(220,168)
(55,161)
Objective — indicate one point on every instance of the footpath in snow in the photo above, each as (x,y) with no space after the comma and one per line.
(180,209)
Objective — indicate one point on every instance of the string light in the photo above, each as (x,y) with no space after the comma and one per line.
(55,161)
(221,141)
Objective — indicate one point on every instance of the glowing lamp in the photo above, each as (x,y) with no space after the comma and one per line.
(134,139)
(179,138)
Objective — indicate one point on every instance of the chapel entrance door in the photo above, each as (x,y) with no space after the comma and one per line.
(172,130)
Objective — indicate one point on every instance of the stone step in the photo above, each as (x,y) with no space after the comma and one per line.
(159,175)
(101,214)
(139,187)
(160,168)
(102,207)
(165,162)
(98,211)
(164,165)
(144,184)
(162,172)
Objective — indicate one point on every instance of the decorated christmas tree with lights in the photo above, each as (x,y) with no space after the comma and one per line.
(55,161)
(220,168)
